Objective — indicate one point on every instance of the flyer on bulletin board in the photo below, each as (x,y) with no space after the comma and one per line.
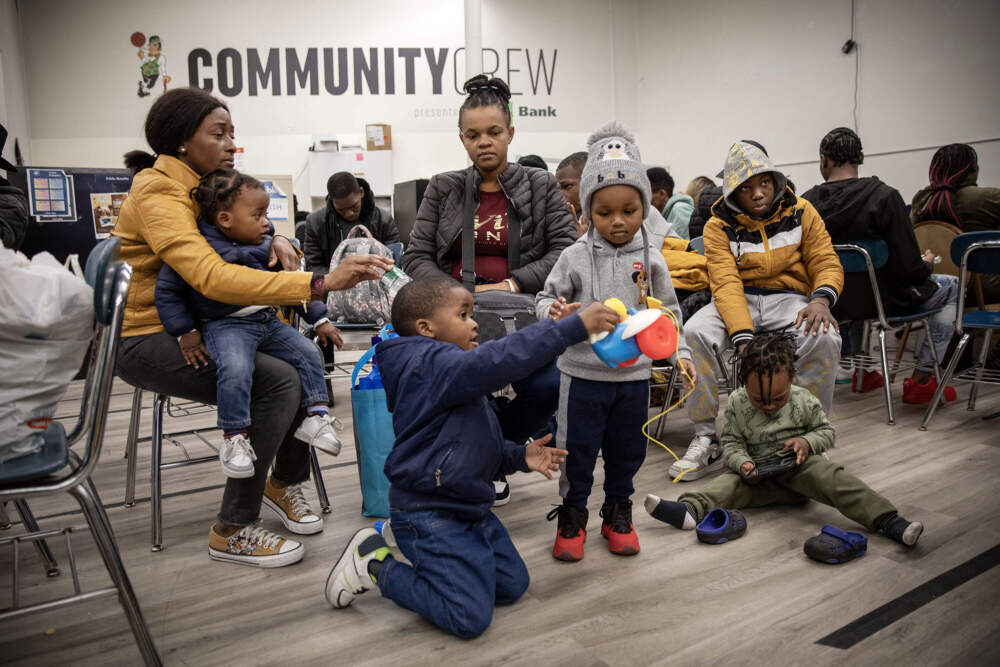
(50,195)
(106,206)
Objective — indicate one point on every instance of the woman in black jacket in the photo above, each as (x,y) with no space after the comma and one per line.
(498,195)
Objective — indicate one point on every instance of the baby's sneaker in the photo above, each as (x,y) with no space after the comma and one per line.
(237,457)
(351,575)
(618,529)
(320,432)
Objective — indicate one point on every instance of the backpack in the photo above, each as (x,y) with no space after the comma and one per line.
(366,302)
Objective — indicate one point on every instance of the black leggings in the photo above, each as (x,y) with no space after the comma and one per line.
(154,363)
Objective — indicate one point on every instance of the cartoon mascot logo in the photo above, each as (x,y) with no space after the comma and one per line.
(153,66)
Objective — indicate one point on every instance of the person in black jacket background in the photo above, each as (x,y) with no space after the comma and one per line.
(854,208)
(349,202)
(13,205)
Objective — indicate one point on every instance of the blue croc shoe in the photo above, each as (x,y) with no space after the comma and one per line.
(721,526)
(835,546)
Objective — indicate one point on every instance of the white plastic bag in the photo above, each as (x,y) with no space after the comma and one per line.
(46,323)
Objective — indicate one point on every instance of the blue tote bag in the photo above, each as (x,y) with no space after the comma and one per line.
(374,436)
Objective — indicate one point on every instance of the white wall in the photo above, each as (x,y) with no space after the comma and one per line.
(773,71)
(82,90)
(13,93)
(689,78)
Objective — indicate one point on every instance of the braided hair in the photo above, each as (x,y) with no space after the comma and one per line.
(842,145)
(767,354)
(950,166)
(218,190)
(486,91)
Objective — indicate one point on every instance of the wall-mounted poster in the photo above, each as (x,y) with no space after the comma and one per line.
(153,66)
(106,207)
(50,195)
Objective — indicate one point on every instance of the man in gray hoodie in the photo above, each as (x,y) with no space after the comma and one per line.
(602,408)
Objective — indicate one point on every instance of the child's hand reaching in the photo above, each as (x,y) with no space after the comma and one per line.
(801,448)
(598,318)
(560,309)
(327,333)
(543,459)
(688,365)
(194,350)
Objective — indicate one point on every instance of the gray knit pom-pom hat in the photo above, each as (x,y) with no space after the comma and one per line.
(613,159)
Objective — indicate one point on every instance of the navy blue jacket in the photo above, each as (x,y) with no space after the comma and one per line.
(449,446)
(182,309)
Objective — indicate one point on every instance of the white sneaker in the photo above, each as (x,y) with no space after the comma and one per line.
(319,431)
(349,577)
(704,455)
(385,530)
(237,457)
(844,375)
(502,490)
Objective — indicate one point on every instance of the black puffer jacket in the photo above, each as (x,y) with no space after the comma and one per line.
(546,223)
(325,229)
(703,210)
(13,215)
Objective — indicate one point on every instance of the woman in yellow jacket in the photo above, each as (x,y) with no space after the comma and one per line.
(192,134)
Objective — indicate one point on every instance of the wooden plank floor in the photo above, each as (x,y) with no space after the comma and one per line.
(758,600)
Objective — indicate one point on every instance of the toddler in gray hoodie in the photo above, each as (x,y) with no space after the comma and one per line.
(602,408)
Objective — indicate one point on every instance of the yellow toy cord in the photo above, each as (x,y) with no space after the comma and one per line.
(645,427)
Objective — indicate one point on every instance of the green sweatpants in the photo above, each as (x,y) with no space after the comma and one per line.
(817,478)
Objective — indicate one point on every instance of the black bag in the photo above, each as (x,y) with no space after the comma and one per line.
(498,313)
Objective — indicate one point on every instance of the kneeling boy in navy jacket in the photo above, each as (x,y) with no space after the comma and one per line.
(448,450)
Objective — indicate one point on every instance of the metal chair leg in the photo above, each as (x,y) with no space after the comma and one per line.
(5,521)
(887,386)
(668,397)
(90,503)
(901,349)
(51,567)
(934,354)
(317,472)
(155,491)
(980,366)
(131,445)
(955,355)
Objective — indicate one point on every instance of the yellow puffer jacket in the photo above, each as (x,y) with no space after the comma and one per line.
(688,270)
(158,224)
(789,250)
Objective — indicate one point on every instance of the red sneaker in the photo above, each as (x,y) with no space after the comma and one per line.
(571,532)
(921,394)
(870,380)
(618,530)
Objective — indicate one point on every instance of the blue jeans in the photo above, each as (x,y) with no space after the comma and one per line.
(942,324)
(232,343)
(460,571)
(601,417)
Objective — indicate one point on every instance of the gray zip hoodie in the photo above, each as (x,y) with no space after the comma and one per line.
(594,270)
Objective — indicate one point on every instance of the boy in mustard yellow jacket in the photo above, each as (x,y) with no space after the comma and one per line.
(770,265)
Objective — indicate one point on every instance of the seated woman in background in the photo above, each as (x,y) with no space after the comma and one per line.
(491,192)
(953,196)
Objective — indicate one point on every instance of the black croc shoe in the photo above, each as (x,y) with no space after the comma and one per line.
(721,526)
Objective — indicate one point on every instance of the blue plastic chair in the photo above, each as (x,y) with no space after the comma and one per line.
(973,252)
(41,473)
(865,256)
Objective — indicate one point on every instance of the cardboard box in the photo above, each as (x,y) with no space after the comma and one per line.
(378,137)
